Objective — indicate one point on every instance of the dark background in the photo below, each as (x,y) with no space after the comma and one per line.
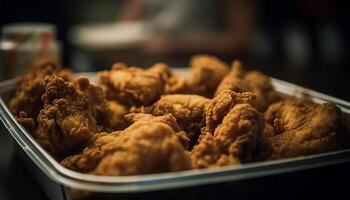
(328,76)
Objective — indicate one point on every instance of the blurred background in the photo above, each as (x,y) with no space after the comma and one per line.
(301,41)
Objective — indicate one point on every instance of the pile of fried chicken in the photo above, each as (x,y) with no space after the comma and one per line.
(140,121)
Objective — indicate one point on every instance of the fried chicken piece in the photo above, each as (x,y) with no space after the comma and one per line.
(233,140)
(138,119)
(303,129)
(222,104)
(208,153)
(207,73)
(73,112)
(187,109)
(141,118)
(149,145)
(29,90)
(27,122)
(261,86)
(152,148)
(232,132)
(134,86)
(91,155)
(268,132)
(253,81)
(233,80)
(116,116)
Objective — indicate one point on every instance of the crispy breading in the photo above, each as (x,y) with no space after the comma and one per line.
(149,145)
(73,112)
(135,86)
(141,121)
(29,89)
(206,74)
(115,119)
(222,104)
(303,129)
(252,81)
(233,135)
(187,109)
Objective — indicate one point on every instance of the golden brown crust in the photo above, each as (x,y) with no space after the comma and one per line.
(260,84)
(302,129)
(151,148)
(91,155)
(130,124)
(149,145)
(207,72)
(142,118)
(187,109)
(115,119)
(233,80)
(134,86)
(71,115)
(222,104)
(255,82)
(30,89)
(233,135)
(27,122)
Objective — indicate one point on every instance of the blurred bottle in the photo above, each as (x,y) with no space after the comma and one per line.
(23,45)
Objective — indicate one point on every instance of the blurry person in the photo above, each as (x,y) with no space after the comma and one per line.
(222,27)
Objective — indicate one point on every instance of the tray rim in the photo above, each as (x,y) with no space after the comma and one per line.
(168,180)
